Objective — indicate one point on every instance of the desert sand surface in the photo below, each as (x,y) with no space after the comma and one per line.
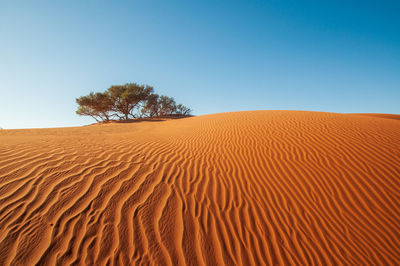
(389,116)
(241,188)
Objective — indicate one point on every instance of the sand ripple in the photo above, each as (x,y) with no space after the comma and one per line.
(244,188)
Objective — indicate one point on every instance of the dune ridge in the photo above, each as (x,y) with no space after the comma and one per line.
(241,188)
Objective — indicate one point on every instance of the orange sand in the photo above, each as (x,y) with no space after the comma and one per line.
(246,188)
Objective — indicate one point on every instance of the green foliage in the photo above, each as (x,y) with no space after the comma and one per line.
(97,105)
(151,107)
(128,101)
(127,98)
(167,105)
(182,110)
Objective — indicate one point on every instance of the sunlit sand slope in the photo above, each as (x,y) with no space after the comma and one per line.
(244,188)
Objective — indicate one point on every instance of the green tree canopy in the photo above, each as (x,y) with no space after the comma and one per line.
(128,101)
(151,107)
(167,105)
(97,105)
(182,110)
(127,98)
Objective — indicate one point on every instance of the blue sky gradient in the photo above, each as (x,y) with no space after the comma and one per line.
(214,56)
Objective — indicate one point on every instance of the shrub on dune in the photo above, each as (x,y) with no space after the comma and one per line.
(129,101)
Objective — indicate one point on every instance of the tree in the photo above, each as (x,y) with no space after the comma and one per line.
(128,101)
(167,105)
(97,105)
(182,110)
(127,98)
(151,107)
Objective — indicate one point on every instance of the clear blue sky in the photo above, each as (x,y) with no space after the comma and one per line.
(214,56)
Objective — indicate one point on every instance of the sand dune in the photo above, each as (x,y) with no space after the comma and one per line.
(243,188)
(389,116)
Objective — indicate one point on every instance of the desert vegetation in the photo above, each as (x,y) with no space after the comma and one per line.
(129,101)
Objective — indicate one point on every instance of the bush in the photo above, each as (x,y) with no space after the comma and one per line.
(127,98)
(97,105)
(151,106)
(128,101)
